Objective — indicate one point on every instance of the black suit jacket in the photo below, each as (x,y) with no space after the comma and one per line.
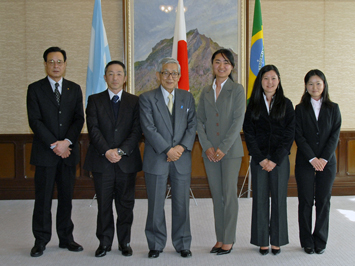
(317,138)
(267,137)
(107,133)
(50,122)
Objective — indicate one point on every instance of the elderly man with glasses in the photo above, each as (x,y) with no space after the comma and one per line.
(168,121)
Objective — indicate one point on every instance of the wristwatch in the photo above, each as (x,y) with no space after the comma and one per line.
(120,152)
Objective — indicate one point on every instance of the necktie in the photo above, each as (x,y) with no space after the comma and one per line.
(115,105)
(115,98)
(170,103)
(56,92)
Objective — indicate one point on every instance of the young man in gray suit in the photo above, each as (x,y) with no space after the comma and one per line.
(168,121)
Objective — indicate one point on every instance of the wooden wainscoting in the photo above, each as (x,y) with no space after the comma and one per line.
(17,175)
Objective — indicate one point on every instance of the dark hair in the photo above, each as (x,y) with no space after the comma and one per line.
(278,109)
(306,97)
(54,49)
(116,62)
(227,54)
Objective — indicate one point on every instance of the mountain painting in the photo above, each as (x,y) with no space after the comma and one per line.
(210,25)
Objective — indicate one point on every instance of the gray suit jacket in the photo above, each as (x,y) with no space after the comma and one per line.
(159,134)
(219,123)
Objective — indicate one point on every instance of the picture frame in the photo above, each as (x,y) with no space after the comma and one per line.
(131,9)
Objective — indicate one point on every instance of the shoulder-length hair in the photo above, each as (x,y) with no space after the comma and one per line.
(306,97)
(226,55)
(278,109)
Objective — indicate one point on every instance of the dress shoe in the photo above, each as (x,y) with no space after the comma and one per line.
(154,253)
(224,251)
(37,250)
(264,251)
(276,251)
(215,250)
(185,253)
(309,250)
(126,250)
(101,251)
(72,246)
(319,250)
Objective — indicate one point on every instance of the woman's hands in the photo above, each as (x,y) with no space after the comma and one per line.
(267,165)
(214,156)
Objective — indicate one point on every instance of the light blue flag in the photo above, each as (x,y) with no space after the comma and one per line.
(99,54)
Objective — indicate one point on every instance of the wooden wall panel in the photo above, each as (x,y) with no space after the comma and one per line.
(351,158)
(7,160)
(16,173)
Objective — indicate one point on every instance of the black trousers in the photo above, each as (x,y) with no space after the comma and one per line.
(314,186)
(115,185)
(45,177)
(266,228)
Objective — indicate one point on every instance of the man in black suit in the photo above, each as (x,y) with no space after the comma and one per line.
(113,157)
(56,117)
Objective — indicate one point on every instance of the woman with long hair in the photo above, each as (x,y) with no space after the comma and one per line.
(220,116)
(269,129)
(318,122)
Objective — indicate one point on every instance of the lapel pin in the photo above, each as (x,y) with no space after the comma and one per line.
(68,89)
(182,106)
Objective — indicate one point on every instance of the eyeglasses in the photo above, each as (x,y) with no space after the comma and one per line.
(58,62)
(166,74)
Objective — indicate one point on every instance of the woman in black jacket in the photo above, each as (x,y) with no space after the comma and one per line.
(318,122)
(269,130)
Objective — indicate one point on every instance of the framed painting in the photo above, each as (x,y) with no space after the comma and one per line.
(210,25)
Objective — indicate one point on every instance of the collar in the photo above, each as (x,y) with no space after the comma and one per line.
(53,82)
(111,94)
(166,94)
(214,84)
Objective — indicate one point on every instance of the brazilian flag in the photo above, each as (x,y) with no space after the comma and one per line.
(257,56)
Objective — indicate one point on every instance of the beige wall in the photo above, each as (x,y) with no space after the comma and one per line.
(299,35)
(28,28)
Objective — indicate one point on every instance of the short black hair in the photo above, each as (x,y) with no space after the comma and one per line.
(116,62)
(54,49)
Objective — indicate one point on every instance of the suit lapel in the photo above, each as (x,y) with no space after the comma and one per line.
(48,91)
(312,116)
(179,109)
(210,98)
(106,104)
(64,98)
(224,94)
(123,106)
(160,103)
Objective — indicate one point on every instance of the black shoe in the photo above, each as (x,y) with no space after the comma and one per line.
(37,250)
(126,250)
(223,251)
(264,251)
(319,250)
(101,251)
(185,253)
(72,246)
(309,250)
(154,253)
(276,251)
(215,250)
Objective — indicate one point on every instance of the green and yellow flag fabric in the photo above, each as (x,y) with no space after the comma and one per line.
(257,56)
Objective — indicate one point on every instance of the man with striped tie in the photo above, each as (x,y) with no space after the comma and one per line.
(56,117)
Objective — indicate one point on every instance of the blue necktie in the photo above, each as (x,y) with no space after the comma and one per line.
(115,98)
(115,105)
